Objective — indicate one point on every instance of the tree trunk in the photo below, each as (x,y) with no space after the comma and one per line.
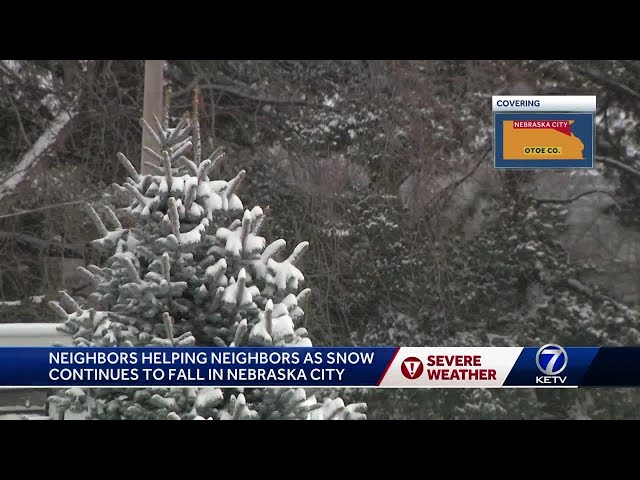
(153,86)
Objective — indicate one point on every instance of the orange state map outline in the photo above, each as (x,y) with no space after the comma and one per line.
(540,140)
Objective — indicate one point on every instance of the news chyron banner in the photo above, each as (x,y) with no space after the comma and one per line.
(385,367)
(544,131)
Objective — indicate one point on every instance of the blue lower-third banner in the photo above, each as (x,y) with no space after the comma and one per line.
(386,367)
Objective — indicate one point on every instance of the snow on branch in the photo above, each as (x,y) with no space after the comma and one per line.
(33,156)
(131,170)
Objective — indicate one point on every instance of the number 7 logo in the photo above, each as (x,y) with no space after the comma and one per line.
(551,359)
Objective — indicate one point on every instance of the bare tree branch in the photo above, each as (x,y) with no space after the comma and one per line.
(43,244)
(618,164)
(446,192)
(33,156)
(20,124)
(246,95)
(603,79)
(574,198)
(460,181)
(632,64)
(47,207)
(8,73)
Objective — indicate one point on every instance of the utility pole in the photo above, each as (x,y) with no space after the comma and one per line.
(153,96)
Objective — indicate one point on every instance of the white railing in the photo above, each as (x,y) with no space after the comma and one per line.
(28,335)
(32,335)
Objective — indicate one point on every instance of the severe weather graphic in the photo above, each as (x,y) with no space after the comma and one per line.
(544,139)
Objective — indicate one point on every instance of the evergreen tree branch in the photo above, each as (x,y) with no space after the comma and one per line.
(580,287)
(152,134)
(154,154)
(131,170)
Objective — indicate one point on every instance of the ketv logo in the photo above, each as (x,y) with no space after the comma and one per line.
(551,360)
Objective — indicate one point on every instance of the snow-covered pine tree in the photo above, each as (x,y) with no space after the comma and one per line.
(187,266)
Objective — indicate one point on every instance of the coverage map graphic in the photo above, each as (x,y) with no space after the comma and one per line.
(541,140)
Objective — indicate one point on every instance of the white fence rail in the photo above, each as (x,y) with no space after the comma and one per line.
(32,335)
(25,404)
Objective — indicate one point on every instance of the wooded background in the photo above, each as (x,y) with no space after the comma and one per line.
(385,167)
